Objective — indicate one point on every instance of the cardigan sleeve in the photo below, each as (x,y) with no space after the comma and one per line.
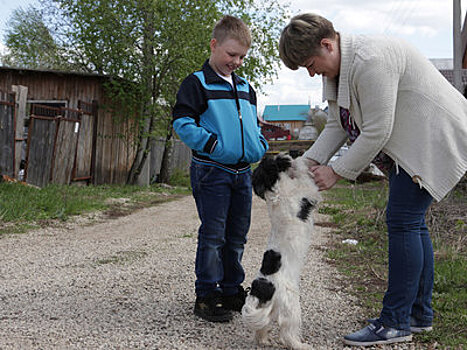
(330,140)
(375,83)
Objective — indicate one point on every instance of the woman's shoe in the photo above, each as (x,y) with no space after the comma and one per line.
(375,333)
(416,326)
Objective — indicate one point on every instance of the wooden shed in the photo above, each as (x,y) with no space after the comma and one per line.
(69,132)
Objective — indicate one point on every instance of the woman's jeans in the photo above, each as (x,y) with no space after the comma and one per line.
(223,201)
(411,266)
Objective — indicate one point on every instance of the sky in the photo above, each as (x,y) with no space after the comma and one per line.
(427,24)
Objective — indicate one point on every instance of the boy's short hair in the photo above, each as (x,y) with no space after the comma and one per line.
(301,38)
(230,27)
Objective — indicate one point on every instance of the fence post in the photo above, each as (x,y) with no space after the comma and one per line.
(21,93)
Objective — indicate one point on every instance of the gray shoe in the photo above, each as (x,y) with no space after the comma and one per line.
(375,333)
(416,326)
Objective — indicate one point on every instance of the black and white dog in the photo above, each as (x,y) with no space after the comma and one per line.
(290,194)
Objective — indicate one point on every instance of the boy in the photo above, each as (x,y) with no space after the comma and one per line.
(215,115)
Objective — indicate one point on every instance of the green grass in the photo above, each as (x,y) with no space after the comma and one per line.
(24,207)
(356,209)
(358,212)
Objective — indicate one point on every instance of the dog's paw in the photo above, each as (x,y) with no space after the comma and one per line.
(295,344)
(262,339)
(305,346)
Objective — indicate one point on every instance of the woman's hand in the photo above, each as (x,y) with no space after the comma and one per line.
(324,176)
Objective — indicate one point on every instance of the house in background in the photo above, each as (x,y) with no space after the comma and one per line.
(63,127)
(445,67)
(72,134)
(290,117)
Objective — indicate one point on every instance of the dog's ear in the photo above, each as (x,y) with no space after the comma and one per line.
(266,174)
(283,162)
(262,177)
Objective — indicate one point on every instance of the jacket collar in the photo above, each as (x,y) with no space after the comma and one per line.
(212,77)
(339,90)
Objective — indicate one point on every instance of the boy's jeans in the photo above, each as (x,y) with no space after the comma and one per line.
(411,266)
(223,201)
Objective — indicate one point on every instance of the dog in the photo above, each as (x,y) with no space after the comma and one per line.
(291,195)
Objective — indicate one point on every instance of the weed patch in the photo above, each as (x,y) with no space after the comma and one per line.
(24,207)
(358,212)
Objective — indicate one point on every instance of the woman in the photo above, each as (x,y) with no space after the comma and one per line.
(399,112)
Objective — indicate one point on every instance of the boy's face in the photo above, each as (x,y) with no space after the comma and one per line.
(227,56)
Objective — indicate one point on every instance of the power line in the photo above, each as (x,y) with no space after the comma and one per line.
(397,14)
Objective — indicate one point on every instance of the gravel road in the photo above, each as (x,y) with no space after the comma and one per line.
(128,283)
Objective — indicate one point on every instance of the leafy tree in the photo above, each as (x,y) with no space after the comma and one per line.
(29,41)
(150,46)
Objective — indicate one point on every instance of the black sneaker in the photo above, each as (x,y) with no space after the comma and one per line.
(211,308)
(235,302)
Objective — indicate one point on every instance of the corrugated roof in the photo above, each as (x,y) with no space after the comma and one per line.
(449,75)
(52,71)
(442,63)
(286,112)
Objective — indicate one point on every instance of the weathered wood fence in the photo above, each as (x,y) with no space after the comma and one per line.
(180,159)
(59,144)
(7,133)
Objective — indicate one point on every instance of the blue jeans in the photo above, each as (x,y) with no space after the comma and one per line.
(223,201)
(411,266)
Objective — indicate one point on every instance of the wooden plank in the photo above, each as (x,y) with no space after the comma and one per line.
(40,151)
(84,148)
(65,149)
(7,134)
(20,143)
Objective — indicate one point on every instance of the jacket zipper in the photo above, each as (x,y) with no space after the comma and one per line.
(239,117)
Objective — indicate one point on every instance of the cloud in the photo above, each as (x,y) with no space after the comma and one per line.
(427,24)
(3,49)
(292,87)
(420,17)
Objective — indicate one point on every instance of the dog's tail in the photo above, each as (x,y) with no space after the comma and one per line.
(258,304)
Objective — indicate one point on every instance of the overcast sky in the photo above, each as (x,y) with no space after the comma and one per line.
(425,23)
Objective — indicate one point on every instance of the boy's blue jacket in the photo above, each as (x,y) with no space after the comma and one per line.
(218,121)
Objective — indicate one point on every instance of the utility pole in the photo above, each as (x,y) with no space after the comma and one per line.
(457,45)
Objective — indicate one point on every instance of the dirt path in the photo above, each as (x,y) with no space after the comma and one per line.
(128,283)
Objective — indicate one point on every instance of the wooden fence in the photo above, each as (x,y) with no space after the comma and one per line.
(60,145)
(180,160)
(7,133)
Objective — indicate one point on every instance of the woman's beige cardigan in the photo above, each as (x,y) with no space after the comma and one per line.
(403,106)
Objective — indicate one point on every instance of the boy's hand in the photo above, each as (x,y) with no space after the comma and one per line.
(324,176)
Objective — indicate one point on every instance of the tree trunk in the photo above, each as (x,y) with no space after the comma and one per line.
(164,176)
(147,81)
(142,152)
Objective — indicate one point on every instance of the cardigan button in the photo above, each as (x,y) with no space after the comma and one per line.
(417,179)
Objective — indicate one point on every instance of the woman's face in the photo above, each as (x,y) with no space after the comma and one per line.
(327,62)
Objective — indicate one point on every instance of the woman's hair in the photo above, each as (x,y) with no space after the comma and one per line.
(230,27)
(301,38)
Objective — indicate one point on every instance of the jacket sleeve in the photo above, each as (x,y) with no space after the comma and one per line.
(253,101)
(376,85)
(189,106)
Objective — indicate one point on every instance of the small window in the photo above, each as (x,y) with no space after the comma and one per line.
(47,108)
